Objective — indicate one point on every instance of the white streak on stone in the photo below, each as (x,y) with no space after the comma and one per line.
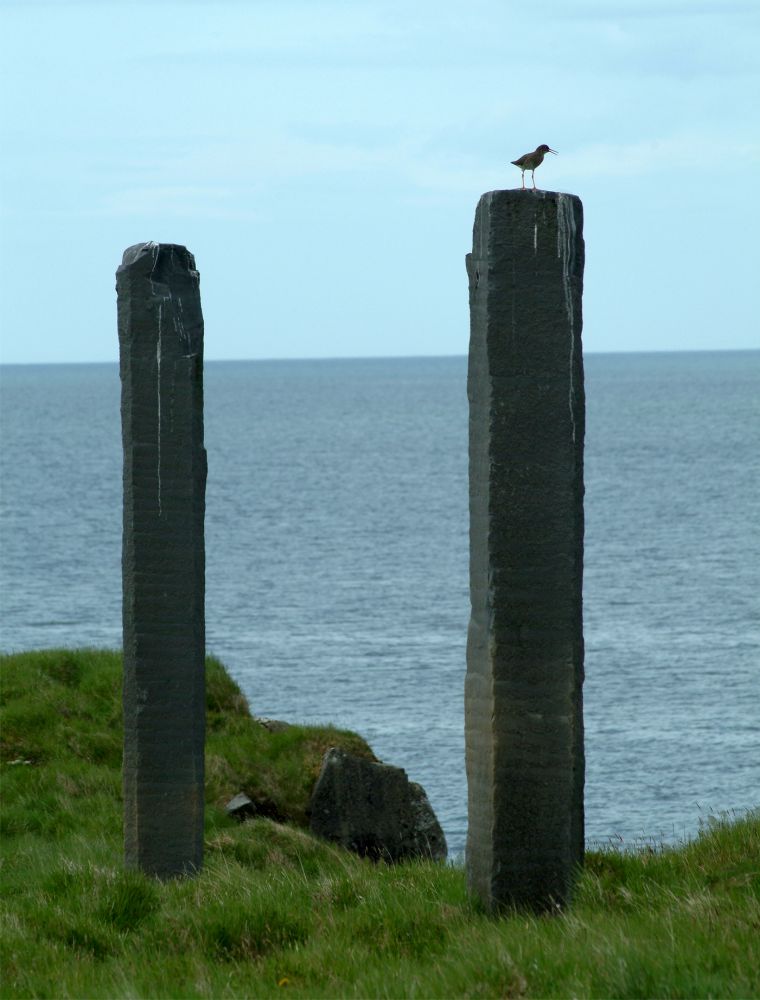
(179,327)
(161,299)
(535,238)
(485,229)
(513,297)
(154,248)
(158,403)
(566,251)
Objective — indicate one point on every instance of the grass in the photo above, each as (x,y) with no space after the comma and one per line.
(276,912)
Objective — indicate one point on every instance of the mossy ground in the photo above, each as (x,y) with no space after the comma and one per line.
(274,911)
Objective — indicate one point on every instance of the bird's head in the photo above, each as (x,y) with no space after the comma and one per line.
(543,148)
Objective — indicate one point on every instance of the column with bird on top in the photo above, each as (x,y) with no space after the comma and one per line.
(523,687)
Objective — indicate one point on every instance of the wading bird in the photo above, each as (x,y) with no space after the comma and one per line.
(529,161)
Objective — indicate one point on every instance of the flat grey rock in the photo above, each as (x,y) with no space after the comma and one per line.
(240,807)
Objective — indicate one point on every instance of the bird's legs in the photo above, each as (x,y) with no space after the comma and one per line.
(533,175)
(523,180)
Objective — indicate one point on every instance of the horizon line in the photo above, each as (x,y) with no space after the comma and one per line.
(386,357)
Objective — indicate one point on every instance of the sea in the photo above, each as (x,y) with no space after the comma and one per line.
(337,561)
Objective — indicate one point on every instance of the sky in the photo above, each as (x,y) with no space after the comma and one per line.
(323,161)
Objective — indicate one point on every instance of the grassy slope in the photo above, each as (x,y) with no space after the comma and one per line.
(275,911)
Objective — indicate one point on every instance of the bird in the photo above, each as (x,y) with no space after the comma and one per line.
(529,161)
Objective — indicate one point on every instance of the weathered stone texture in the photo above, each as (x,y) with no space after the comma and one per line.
(163,562)
(374,810)
(523,707)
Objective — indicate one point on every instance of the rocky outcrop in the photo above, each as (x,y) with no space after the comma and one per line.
(273,725)
(374,810)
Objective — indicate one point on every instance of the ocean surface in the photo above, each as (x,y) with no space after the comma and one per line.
(337,535)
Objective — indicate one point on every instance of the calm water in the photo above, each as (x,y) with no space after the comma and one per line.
(337,560)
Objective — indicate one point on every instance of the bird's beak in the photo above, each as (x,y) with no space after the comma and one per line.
(554,151)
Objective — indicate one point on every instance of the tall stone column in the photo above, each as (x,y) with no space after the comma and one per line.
(163,558)
(523,690)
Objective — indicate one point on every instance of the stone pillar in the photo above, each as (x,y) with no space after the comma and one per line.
(523,707)
(163,559)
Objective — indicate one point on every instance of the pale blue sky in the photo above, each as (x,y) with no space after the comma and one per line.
(323,161)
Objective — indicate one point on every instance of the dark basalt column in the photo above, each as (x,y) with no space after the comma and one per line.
(523,691)
(163,558)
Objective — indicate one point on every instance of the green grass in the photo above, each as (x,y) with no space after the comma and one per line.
(275,912)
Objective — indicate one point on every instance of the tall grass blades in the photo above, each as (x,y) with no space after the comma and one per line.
(276,912)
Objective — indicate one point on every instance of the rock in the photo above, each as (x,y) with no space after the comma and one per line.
(374,810)
(273,725)
(240,807)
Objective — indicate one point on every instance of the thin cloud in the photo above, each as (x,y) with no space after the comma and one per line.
(689,152)
(652,10)
(174,201)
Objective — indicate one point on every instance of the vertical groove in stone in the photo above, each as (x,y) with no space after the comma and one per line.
(523,689)
(163,557)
